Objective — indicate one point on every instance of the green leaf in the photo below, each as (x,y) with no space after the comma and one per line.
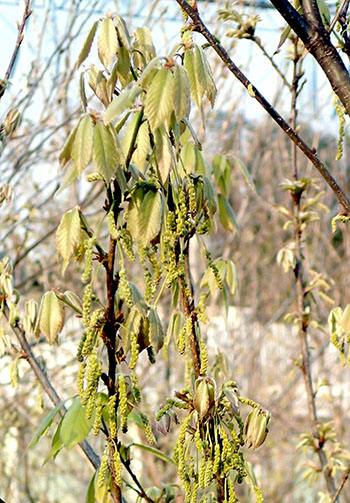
(98,83)
(82,93)
(75,427)
(150,216)
(246,173)
(107,42)
(226,215)
(123,66)
(203,74)
(121,103)
(45,425)
(155,452)
(87,45)
(50,319)
(231,276)
(156,332)
(67,180)
(68,235)
(164,153)
(144,45)
(105,152)
(197,90)
(143,145)
(181,93)
(66,152)
(90,495)
(159,100)
(82,145)
(56,444)
(209,197)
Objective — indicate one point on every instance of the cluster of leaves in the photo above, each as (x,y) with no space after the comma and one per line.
(160,193)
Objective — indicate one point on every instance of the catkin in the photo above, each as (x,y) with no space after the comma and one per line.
(111,416)
(103,469)
(123,403)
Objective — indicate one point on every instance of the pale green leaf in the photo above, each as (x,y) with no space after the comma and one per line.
(56,444)
(82,145)
(145,49)
(164,152)
(159,100)
(105,152)
(155,452)
(82,93)
(203,74)
(75,427)
(197,90)
(181,93)
(226,215)
(68,235)
(245,173)
(231,276)
(121,103)
(156,332)
(132,215)
(45,425)
(87,45)
(123,32)
(345,320)
(67,180)
(150,216)
(123,66)
(107,42)
(98,83)
(66,152)
(143,144)
(50,319)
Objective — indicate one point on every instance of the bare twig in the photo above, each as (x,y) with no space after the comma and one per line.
(341,485)
(45,383)
(27,12)
(199,26)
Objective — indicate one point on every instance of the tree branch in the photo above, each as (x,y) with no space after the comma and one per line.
(312,32)
(199,26)
(45,382)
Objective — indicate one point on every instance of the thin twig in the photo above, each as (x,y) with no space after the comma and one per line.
(343,6)
(27,12)
(199,26)
(45,382)
(341,485)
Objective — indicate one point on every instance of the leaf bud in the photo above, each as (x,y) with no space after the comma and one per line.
(255,427)
(204,397)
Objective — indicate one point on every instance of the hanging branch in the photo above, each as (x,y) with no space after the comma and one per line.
(45,383)
(199,26)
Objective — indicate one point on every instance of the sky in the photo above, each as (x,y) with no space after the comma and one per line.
(315,96)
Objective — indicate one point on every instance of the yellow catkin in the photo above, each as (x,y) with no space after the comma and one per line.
(201,473)
(98,415)
(135,387)
(123,403)
(102,470)
(87,304)
(231,492)
(86,276)
(194,493)
(258,494)
(148,429)
(117,467)
(112,228)
(134,350)
(208,477)
(111,416)
(204,358)
(217,457)
(80,379)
